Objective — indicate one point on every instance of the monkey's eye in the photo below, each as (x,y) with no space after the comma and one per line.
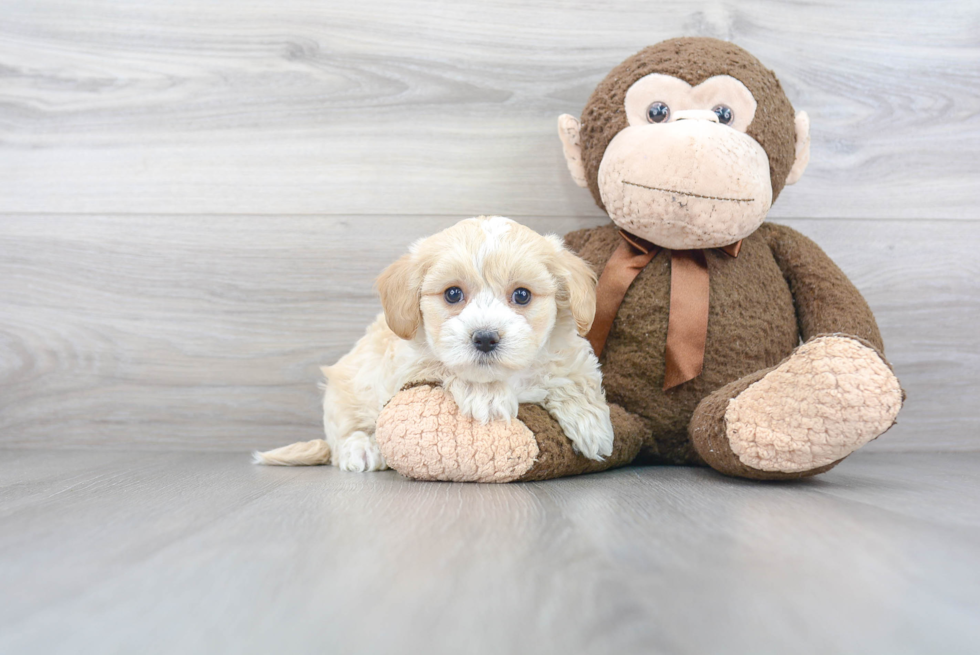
(521,296)
(453,295)
(724,114)
(658,112)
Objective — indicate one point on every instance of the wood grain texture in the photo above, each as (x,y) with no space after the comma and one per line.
(116,552)
(195,197)
(386,107)
(207,332)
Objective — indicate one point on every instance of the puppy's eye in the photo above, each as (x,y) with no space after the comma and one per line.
(521,296)
(724,114)
(453,295)
(658,112)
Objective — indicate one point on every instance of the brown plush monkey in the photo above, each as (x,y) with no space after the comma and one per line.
(723,340)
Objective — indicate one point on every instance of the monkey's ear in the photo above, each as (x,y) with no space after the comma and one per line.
(802,148)
(399,286)
(568,129)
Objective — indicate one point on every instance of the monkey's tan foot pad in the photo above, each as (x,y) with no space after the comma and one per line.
(832,396)
(422,435)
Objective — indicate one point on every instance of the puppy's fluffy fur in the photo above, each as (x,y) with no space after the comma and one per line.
(539,355)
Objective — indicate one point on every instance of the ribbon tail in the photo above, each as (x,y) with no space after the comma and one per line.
(687,325)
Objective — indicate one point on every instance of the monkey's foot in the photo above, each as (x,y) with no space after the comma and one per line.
(832,396)
(422,435)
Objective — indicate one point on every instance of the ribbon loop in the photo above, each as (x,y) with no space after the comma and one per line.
(630,257)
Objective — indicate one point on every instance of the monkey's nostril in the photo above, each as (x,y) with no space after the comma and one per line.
(486,340)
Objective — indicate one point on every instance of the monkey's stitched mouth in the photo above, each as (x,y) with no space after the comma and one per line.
(685,193)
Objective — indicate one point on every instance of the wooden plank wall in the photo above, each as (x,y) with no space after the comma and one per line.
(195,197)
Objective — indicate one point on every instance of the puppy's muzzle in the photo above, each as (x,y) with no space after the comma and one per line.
(486,340)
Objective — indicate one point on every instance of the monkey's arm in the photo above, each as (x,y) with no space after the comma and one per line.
(423,436)
(826,301)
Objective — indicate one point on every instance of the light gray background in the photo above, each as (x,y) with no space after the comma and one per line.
(197,196)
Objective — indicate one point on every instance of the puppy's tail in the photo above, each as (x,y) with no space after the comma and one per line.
(301,453)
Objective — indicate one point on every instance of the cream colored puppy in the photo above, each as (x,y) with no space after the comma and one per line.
(494,311)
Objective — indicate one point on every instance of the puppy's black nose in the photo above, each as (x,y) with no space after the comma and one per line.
(485,340)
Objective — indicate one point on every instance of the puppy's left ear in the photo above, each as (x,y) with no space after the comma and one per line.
(576,287)
(399,286)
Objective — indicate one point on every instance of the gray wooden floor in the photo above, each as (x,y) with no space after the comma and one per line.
(184,552)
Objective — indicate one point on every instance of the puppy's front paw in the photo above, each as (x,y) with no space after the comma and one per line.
(588,428)
(359,453)
(501,407)
(485,403)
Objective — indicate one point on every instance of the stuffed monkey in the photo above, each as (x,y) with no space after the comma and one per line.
(724,341)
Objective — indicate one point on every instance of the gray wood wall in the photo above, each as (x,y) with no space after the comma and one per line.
(195,197)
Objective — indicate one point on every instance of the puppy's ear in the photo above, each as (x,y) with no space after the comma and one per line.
(399,286)
(576,287)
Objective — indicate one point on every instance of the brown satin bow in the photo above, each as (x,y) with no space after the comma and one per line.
(687,321)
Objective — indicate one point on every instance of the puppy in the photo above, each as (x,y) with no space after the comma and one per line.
(494,311)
